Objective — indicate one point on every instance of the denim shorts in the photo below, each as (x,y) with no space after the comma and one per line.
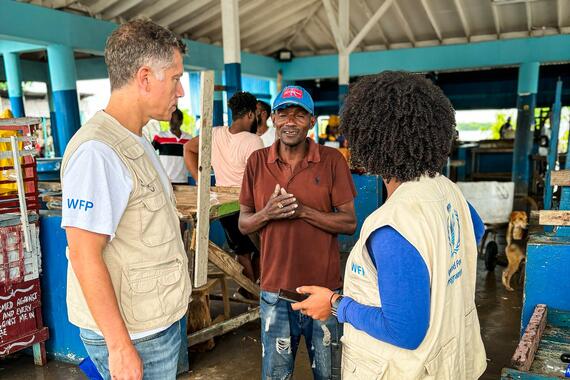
(281,330)
(158,352)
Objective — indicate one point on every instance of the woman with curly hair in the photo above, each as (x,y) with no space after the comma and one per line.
(409,288)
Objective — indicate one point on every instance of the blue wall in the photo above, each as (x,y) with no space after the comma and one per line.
(64,343)
(368,199)
(546,278)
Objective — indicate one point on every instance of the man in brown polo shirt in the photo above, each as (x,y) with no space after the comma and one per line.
(298,196)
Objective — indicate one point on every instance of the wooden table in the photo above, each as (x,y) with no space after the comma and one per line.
(537,356)
(223,202)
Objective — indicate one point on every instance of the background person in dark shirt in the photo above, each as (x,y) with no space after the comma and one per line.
(298,195)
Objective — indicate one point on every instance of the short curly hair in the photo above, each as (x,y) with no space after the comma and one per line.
(399,125)
(241,103)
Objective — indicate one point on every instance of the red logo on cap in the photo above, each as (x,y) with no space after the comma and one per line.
(292,92)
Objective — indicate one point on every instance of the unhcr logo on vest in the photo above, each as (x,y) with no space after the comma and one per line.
(454,240)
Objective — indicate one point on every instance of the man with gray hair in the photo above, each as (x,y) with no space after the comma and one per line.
(128,284)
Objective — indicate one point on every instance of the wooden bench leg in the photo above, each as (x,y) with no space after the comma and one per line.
(39,353)
(225,297)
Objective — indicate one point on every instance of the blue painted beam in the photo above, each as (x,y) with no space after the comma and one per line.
(436,58)
(20,47)
(31,71)
(33,24)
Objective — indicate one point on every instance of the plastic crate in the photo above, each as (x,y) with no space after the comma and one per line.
(22,128)
(16,264)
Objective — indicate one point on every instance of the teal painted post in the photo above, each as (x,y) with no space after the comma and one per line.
(565,200)
(52,117)
(63,78)
(527,88)
(273,90)
(553,148)
(14,78)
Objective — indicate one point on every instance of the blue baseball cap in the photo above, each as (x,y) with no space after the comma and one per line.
(294,96)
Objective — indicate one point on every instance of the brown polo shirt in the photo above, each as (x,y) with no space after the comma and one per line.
(294,252)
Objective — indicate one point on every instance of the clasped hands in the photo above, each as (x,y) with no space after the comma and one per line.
(282,205)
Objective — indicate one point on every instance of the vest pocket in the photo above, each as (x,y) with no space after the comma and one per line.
(152,290)
(356,366)
(156,224)
(443,365)
(475,357)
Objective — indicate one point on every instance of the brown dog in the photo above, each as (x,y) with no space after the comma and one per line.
(516,245)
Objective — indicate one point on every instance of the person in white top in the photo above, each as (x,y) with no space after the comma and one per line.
(231,147)
(144,61)
(170,147)
(266,132)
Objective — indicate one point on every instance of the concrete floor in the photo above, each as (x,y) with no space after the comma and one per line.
(237,355)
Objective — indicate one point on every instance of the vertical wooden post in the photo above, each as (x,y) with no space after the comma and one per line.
(204,169)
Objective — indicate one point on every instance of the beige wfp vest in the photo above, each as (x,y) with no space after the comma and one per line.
(434,217)
(146,258)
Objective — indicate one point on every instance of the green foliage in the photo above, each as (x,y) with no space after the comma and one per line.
(188,123)
(563,143)
(496,126)
(3,86)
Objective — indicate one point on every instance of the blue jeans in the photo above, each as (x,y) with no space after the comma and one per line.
(281,330)
(158,352)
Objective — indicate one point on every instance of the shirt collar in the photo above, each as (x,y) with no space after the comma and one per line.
(313,154)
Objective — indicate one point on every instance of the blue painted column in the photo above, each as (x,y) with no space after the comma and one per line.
(232,73)
(63,77)
(232,50)
(343,51)
(553,148)
(342,92)
(195,93)
(14,78)
(218,100)
(527,88)
(52,116)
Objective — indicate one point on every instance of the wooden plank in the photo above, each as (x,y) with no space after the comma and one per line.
(232,268)
(559,318)
(513,374)
(223,327)
(524,354)
(554,218)
(560,178)
(204,169)
(225,297)
(218,297)
(547,360)
(223,201)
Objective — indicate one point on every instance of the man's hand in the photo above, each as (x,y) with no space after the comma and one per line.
(318,305)
(280,205)
(125,363)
